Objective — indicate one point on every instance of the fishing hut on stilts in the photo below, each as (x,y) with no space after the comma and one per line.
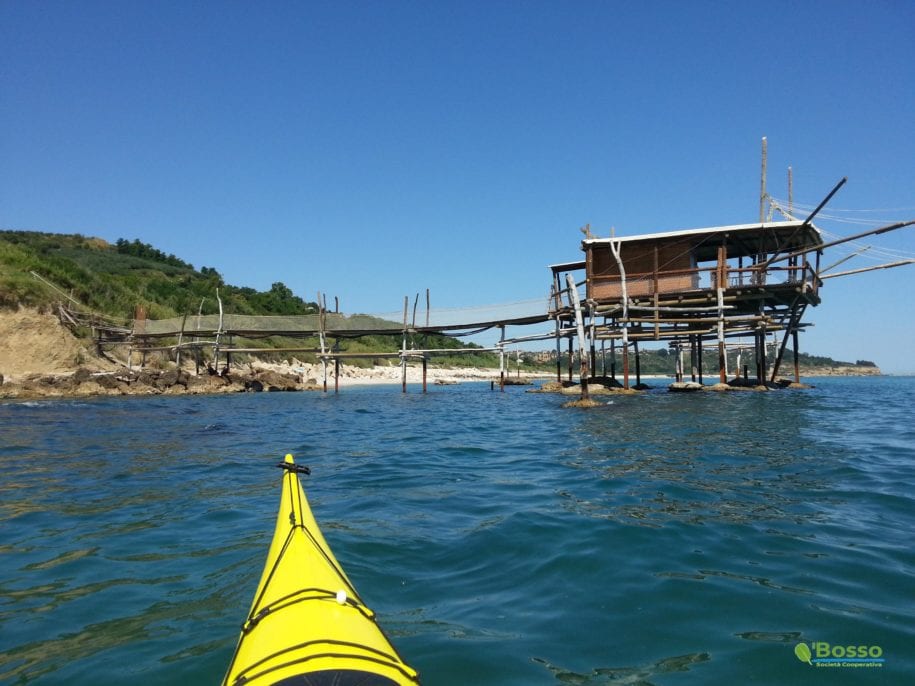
(697,289)
(692,289)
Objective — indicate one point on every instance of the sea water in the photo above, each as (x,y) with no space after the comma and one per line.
(501,538)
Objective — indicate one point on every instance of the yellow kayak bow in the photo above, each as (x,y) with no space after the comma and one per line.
(307,625)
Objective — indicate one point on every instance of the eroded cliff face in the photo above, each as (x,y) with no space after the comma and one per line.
(32,342)
(40,358)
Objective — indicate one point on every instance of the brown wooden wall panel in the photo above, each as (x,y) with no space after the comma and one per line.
(674,261)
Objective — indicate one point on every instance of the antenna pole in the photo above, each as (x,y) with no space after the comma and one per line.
(762,183)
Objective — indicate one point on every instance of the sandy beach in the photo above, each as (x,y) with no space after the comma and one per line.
(378,375)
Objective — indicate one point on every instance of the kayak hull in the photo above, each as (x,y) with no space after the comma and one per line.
(307,625)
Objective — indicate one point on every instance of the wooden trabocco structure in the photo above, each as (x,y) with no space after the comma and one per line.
(695,287)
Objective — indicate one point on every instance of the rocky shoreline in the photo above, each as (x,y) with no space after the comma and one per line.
(261,377)
(254,377)
(85,382)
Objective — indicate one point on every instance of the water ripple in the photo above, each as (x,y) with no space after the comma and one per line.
(501,539)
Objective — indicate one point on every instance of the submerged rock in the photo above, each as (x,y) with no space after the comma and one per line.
(685,387)
(583,402)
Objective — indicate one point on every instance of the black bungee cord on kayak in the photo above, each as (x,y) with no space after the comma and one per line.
(352,598)
(297,468)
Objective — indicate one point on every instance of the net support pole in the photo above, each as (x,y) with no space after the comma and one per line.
(502,359)
(616,247)
(403,349)
(722,353)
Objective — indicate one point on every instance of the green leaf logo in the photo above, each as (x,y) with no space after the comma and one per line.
(803,653)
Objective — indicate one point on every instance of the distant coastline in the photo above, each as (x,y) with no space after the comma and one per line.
(41,358)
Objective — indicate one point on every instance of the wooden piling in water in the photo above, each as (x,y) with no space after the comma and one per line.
(699,356)
(638,363)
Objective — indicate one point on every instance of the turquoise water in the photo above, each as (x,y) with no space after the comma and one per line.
(658,539)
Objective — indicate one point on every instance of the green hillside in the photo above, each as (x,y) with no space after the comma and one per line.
(113,279)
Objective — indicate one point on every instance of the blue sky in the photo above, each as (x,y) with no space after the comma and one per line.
(373,149)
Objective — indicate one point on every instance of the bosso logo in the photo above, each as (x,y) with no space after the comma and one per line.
(823,649)
(824,654)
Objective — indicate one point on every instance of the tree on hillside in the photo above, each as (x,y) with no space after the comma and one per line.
(147,252)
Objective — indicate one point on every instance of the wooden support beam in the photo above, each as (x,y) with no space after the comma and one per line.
(820,248)
(582,342)
(694,320)
(888,265)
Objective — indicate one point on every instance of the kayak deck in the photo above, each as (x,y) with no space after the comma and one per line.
(307,625)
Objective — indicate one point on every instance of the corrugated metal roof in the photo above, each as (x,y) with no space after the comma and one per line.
(568,266)
(760,235)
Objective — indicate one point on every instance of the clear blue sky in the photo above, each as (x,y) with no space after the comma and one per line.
(371,150)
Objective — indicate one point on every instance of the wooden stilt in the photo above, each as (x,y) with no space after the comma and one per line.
(638,364)
(582,343)
(571,359)
(178,349)
(403,348)
(502,360)
(613,359)
(722,350)
(791,329)
(699,356)
(616,249)
(679,373)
